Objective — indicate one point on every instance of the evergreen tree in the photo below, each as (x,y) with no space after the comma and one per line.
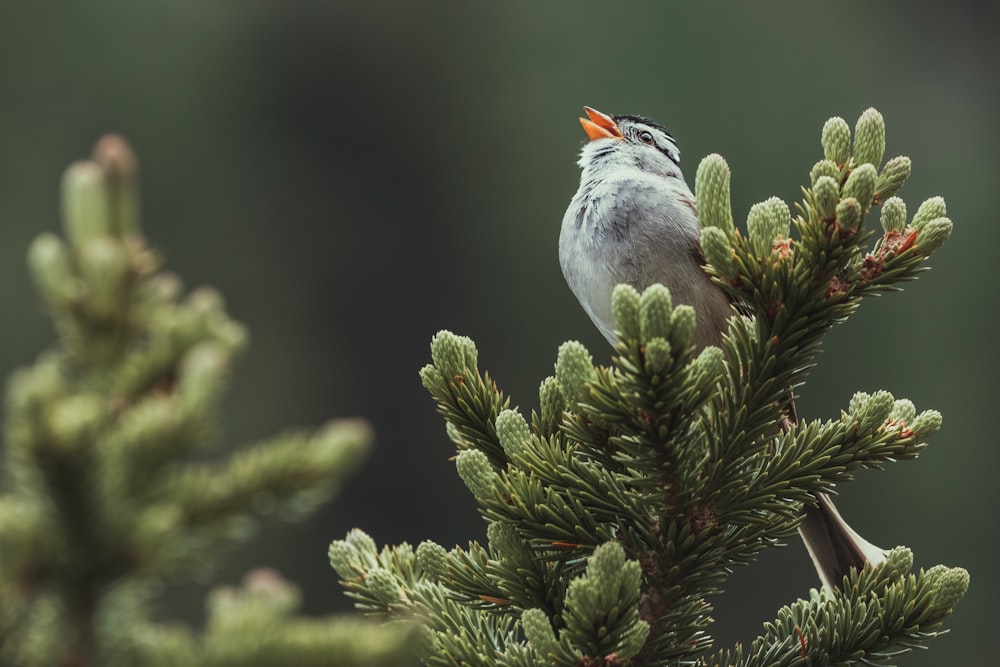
(616,509)
(102,496)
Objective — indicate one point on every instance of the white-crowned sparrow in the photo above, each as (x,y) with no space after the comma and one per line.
(633,220)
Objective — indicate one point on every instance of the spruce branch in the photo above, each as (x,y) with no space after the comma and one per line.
(619,508)
(101,497)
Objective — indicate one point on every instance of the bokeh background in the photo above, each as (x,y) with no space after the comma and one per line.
(356,175)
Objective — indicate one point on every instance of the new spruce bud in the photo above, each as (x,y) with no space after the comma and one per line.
(682,323)
(343,557)
(711,191)
(893,216)
(825,168)
(893,176)
(432,558)
(900,560)
(657,358)
(933,234)
(826,194)
(202,374)
(766,222)
(475,470)
(861,185)
(104,272)
(453,355)
(931,209)
(858,402)
(363,542)
(927,423)
(903,411)
(383,586)
(85,203)
(551,405)
(73,420)
(655,306)
(49,263)
(574,369)
(539,633)
(869,138)
(512,432)
(503,538)
(718,249)
(876,410)
(849,214)
(836,140)
(951,585)
(120,166)
(710,365)
(625,309)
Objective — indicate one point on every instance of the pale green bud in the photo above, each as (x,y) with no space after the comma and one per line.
(202,374)
(120,167)
(432,558)
(836,140)
(382,584)
(551,404)
(903,411)
(877,410)
(682,322)
(625,309)
(711,188)
(779,215)
(574,369)
(475,470)
(655,306)
(430,377)
(710,364)
(657,355)
(49,262)
(826,194)
(233,335)
(74,420)
(869,138)
(453,355)
(950,586)
(893,176)
(858,403)
(927,423)
(931,209)
(104,272)
(849,214)
(933,235)
(899,560)
(893,216)
(512,431)
(767,221)
(85,203)
(861,185)
(612,574)
(825,168)
(539,633)
(718,249)
(343,556)
(362,542)
(503,538)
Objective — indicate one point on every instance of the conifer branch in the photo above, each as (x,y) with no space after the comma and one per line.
(101,499)
(667,468)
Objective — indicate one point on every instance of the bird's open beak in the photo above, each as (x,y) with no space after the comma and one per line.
(599,125)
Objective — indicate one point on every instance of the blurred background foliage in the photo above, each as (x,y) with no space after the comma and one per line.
(355,175)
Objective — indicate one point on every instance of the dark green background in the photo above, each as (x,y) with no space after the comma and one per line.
(356,175)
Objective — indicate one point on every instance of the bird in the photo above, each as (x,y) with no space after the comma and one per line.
(633,220)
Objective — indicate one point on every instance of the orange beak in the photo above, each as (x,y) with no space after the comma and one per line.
(600,126)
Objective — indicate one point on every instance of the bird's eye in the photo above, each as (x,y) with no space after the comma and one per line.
(646,137)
